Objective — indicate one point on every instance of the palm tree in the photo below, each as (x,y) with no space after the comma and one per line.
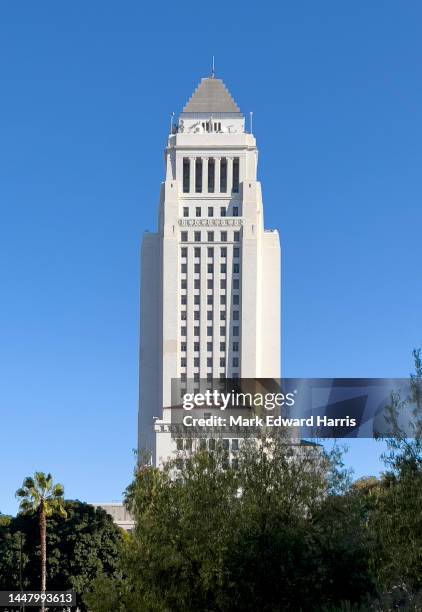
(40,496)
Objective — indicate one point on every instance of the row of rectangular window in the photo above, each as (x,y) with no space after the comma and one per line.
(210,378)
(210,315)
(196,362)
(196,347)
(210,268)
(210,236)
(223,285)
(211,174)
(210,252)
(223,298)
(223,211)
(196,330)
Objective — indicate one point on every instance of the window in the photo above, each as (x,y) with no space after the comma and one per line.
(211,444)
(196,331)
(196,376)
(235,211)
(196,299)
(223,315)
(222,331)
(209,315)
(197,283)
(183,315)
(223,211)
(223,251)
(236,175)
(236,252)
(198,175)
(184,283)
(210,251)
(223,283)
(183,331)
(209,283)
(184,268)
(209,379)
(179,444)
(183,300)
(210,299)
(184,236)
(211,176)
(183,362)
(226,444)
(210,211)
(236,268)
(197,251)
(196,315)
(183,347)
(222,362)
(188,444)
(209,362)
(223,268)
(235,444)
(197,236)
(235,283)
(235,299)
(235,330)
(236,236)
(196,362)
(223,175)
(210,268)
(222,299)
(235,375)
(196,347)
(235,362)
(183,376)
(184,251)
(209,347)
(185,211)
(198,211)
(210,236)
(197,268)
(186,174)
(235,347)
(223,236)
(209,331)
(222,347)
(235,315)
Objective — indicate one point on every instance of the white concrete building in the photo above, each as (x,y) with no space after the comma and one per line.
(210,276)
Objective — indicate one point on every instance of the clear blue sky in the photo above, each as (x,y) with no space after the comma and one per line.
(86,94)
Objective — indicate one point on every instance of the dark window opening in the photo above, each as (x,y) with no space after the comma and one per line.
(223,175)
(211,176)
(198,175)
(186,174)
(236,175)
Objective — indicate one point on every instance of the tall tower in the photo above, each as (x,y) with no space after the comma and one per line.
(210,276)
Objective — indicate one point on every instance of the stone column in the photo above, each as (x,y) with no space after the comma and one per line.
(217,174)
(205,175)
(229,175)
(192,175)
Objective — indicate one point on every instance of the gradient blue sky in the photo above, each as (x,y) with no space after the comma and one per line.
(86,94)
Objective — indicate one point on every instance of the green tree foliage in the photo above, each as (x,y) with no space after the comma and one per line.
(275,533)
(40,496)
(397,517)
(80,547)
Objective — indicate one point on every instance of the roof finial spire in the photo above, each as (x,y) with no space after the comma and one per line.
(213,68)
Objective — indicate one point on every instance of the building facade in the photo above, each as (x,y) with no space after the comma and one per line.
(210,275)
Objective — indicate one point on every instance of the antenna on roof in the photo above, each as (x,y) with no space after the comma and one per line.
(213,68)
(250,121)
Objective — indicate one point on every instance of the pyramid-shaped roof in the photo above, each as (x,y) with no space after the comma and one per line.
(211,96)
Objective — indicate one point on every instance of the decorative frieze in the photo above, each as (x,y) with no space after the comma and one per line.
(211,221)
